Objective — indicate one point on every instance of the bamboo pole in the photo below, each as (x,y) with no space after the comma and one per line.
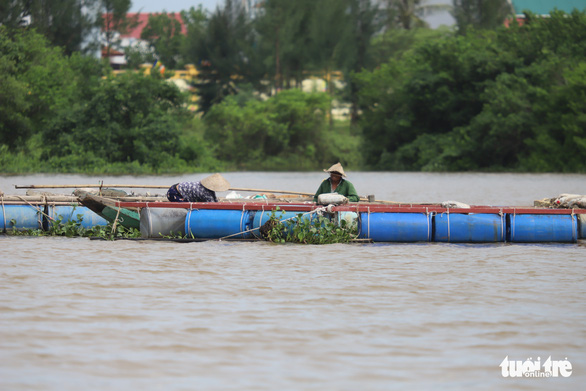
(90,186)
(152,187)
(64,198)
(233,188)
(271,191)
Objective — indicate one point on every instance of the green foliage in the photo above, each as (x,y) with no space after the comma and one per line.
(70,228)
(320,230)
(284,33)
(225,52)
(288,124)
(409,14)
(308,230)
(274,230)
(62,22)
(112,19)
(483,101)
(327,28)
(129,118)
(11,13)
(488,98)
(559,138)
(394,44)
(484,14)
(57,114)
(163,32)
(73,228)
(37,83)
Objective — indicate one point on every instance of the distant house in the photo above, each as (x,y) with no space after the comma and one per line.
(544,7)
(143,19)
(132,38)
(116,57)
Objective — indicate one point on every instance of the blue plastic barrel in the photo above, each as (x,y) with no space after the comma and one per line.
(395,227)
(69,213)
(543,228)
(469,228)
(23,217)
(214,223)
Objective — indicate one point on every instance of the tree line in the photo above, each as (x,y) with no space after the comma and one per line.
(478,96)
(504,99)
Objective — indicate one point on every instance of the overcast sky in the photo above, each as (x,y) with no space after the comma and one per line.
(210,5)
(172,5)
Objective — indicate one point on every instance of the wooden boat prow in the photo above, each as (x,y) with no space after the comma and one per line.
(108,209)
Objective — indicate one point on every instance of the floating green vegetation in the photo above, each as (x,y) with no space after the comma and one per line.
(74,228)
(308,229)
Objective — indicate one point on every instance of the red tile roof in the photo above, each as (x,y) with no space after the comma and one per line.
(143,19)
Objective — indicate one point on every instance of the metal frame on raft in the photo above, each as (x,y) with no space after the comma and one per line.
(393,223)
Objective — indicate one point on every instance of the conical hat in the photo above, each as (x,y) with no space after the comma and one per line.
(336,168)
(215,182)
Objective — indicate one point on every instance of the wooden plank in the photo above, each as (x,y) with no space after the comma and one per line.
(353,207)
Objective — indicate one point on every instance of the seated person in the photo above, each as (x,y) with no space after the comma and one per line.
(336,184)
(203,191)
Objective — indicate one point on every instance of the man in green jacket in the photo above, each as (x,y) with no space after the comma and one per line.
(337,184)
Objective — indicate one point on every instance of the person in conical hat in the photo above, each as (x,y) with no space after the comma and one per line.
(337,184)
(202,191)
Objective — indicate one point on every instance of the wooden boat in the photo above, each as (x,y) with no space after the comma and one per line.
(107,209)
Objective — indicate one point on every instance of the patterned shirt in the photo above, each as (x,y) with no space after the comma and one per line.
(195,192)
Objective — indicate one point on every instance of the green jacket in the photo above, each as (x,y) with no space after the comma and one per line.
(345,188)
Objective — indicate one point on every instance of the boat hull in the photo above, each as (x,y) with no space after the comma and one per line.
(107,209)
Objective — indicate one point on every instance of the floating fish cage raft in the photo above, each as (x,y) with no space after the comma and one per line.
(375,222)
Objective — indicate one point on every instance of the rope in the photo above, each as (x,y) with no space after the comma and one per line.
(242,217)
(188,226)
(368,224)
(358,222)
(513,225)
(281,221)
(574,239)
(115,220)
(3,212)
(503,236)
(36,208)
(428,224)
(189,220)
(261,215)
(239,233)
(47,206)
(449,236)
